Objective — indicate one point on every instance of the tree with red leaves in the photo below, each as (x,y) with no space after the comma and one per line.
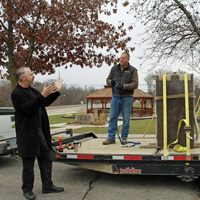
(47,34)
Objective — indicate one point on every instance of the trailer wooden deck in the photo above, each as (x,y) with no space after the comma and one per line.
(148,146)
(95,146)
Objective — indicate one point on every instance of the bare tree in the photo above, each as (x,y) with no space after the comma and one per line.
(172,31)
(70,95)
(150,79)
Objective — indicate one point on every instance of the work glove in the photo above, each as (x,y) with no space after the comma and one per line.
(120,87)
(113,82)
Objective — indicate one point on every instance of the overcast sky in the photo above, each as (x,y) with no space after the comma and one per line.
(97,76)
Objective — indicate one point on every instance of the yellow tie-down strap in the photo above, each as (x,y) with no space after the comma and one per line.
(178,147)
(177,96)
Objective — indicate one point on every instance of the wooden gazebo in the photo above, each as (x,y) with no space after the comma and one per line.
(100,102)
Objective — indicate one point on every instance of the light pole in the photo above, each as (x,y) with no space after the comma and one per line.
(81,100)
(63,99)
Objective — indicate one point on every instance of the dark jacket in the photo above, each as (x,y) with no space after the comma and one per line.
(26,116)
(127,77)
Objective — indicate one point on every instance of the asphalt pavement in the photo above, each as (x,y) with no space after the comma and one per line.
(82,184)
(66,109)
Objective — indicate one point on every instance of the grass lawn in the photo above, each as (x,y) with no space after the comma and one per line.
(56,119)
(136,126)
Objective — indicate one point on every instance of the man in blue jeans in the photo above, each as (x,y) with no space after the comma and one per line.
(124,79)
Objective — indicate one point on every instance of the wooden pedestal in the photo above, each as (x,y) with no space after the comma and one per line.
(175,108)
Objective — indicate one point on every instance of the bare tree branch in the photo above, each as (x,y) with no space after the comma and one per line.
(172,29)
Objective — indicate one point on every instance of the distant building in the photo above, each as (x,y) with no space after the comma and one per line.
(100,102)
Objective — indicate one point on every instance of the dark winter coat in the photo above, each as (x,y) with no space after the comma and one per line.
(26,116)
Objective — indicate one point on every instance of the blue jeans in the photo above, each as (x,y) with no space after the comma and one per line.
(123,104)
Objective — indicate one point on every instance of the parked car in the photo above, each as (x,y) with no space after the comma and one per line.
(8,144)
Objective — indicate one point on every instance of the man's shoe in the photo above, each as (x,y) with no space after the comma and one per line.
(30,195)
(52,189)
(108,141)
(124,141)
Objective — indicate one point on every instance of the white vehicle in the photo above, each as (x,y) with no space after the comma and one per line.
(8,143)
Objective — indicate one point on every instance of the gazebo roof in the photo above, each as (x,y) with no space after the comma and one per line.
(106,92)
(105,96)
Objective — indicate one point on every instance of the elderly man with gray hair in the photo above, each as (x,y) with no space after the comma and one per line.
(33,131)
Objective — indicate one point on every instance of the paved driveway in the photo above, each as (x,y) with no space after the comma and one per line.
(67,109)
(81,184)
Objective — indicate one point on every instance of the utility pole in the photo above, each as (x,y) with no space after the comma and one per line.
(59,96)
(2,96)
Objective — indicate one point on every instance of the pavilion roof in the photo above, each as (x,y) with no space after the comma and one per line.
(106,92)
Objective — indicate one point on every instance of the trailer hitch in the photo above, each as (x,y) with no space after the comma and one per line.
(189,175)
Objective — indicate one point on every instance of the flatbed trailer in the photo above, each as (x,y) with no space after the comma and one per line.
(143,159)
(176,125)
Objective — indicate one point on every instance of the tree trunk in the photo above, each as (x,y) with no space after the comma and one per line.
(13,81)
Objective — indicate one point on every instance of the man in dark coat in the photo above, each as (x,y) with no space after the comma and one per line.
(32,129)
